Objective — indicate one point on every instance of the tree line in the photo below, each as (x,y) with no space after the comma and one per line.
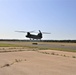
(66,41)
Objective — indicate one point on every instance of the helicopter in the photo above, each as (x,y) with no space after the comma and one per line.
(33,36)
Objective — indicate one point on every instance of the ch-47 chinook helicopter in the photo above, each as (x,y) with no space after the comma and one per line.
(33,36)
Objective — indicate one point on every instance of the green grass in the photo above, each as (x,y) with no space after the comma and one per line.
(35,47)
(8,45)
(59,49)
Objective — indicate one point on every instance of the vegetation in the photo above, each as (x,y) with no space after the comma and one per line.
(9,64)
(73,56)
(8,45)
(61,49)
(68,41)
(39,46)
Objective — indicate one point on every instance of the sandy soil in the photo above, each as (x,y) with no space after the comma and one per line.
(41,62)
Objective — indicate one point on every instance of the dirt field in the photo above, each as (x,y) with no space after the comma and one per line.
(27,61)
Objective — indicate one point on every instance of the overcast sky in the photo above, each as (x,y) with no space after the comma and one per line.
(55,16)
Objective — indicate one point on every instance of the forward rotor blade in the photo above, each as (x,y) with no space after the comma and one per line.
(24,31)
(21,31)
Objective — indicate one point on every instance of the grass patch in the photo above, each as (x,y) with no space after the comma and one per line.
(9,64)
(52,53)
(61,49)
(43,48)
(34,47)
(73,56)
(8,45)
(15,45)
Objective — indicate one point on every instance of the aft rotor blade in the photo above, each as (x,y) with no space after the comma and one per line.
(31,31)
(46,33)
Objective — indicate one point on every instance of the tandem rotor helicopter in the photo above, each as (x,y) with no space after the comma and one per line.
(33,36)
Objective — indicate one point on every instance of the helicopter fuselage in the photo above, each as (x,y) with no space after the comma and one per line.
(32,36)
